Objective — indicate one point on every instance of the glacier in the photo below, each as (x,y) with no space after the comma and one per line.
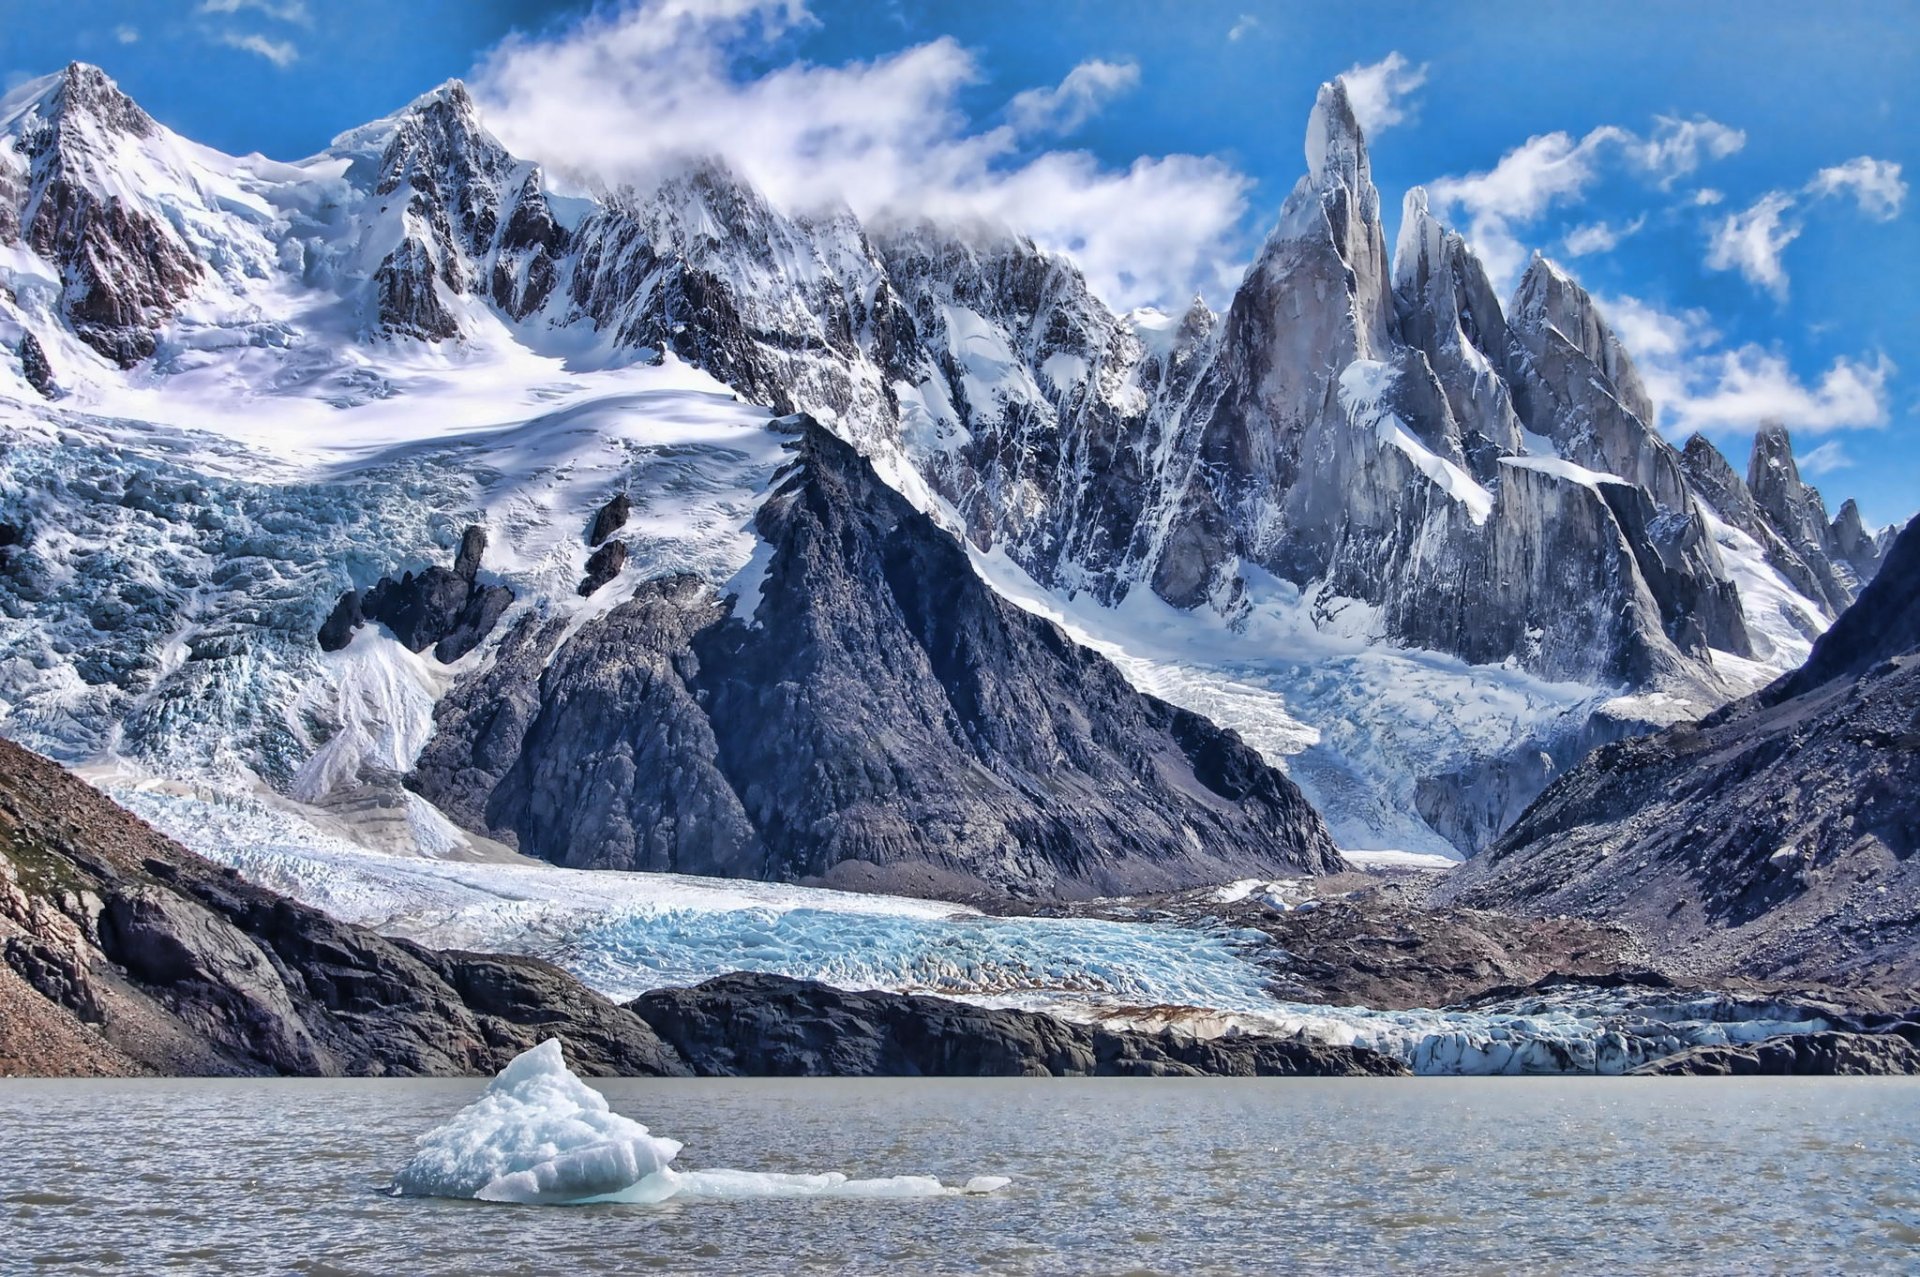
(624,933)
(539,1135)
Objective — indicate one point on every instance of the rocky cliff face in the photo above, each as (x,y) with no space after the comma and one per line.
(121,952)
(867,713)
(123,266)
(1797,513)
(1777,836)
(1826,564)
(474,220)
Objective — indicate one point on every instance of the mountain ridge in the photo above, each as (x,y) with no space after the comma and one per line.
(1453,483)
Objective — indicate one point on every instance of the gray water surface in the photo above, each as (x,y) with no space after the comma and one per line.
(1230,1176)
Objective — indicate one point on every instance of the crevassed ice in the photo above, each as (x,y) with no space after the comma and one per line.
(626,933)
(541,1136)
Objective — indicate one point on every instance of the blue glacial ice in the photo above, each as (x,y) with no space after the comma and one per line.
(627,933)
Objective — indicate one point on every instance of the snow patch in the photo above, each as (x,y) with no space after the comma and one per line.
(1364,386)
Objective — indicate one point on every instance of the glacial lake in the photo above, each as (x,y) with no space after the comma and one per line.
(1433,1175)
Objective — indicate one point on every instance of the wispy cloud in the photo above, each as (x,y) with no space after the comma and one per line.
(1753,240)
(1557,169)
(1600,237)
(1700,383)
(1245,25)
(1825,459)
(1874,184)
(1075,100)
(282,53)
(887,136)
(1378,91)
(126,34)
(279,10)
(1676,147)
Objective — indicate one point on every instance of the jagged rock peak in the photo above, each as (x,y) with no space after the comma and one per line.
(1336,148)
(435,131)
(84,91)
(1863,549)
(451,92)
(1422,243)
(1772,456)
(1550,299)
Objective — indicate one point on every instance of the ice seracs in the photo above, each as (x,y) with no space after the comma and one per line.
(541,1136)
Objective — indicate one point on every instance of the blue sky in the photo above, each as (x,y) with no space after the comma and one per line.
(1735,173)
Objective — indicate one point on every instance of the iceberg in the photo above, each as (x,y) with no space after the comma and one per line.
(541,1136)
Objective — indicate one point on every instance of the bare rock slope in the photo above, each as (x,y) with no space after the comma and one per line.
(1775,837)
(871,715)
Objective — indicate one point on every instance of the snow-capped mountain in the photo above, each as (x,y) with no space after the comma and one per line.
(1422,550)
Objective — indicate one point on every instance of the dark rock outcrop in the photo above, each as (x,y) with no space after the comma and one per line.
(748,1025)
(602,566)
(876,717)
(1776,837)
(1834,1054)
(445,609)
(35,367)
(610,518)
(124,952)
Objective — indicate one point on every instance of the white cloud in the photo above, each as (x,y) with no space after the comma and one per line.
(1707,196)
(1677,146)
(1698,383)
(1546,169)
(1874,184)
(1378,92)
(1076,99)
(632,92)
(1600,237)
(1751,242)
(126,34)
(1556,168)
(1243,27)
(281,53)
(1825,459)
(279,10)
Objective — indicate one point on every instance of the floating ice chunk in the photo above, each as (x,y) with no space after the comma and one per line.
(755,1184)
(539,1135)
(980,1185)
